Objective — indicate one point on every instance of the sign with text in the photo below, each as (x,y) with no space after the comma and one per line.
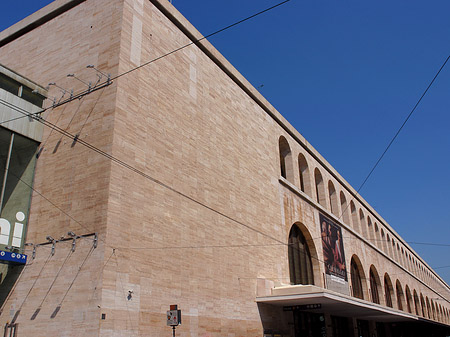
(8,257)
(302,307)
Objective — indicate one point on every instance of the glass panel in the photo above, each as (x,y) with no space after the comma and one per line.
(5,140)
(387,290)
(374,288)
(356,281)
(9,84)
(300,265)
(33,98)
(17,190)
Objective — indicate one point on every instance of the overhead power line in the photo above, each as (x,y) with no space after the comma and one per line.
(146,176)
(404,123)
(395,136)
(124,164)
(200,39)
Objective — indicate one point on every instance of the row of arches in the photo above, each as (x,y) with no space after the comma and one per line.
(342,206)
(398,296)
(304,265)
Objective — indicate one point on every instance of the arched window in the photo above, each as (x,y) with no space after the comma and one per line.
(285,160)
(333,198)
(388,291)
(344,209)
(400,296)
(362,222)
(416,303)
(357,288)
(423,305)
(377,235)
(388,245)
(320,188)
(408,299)
(355,219)
(300,266)
(394,250)
(428,307)
(305,183)
(383,240)
(370,231)
(374,283)
(402,256)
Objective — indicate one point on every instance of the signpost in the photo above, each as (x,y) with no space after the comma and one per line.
(173,317)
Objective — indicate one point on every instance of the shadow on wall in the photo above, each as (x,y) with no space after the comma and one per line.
(275,321)
(10,277)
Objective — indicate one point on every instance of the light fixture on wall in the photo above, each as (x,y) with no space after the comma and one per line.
(100,74)
(53,241)
(74,239)
(88,84)
(64,91)
(33,254)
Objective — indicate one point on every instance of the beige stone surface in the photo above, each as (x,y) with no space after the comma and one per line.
(199,215)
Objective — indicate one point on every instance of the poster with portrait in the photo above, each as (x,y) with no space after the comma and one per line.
(333,248)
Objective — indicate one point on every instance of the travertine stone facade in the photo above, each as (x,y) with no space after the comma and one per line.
(201,214)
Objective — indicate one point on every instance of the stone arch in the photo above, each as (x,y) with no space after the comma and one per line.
(375,285)
(433,310)
(409,300)
(370,231)
(416,303)
(344,209)
(362,222)
(305,177)
(388,245)
(355,219)
(383,241)
(302,255)
(427,301)
(358,279)
(423,305)
(378,241)
(320,187)
(333,198)
(388,290)
(400,296)
(286,165)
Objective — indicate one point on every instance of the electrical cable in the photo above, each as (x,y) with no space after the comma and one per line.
(36,312)
(404,123)
(31,288)
(198,40)
(120,162)
(396,134)
(63,132)
(58,307)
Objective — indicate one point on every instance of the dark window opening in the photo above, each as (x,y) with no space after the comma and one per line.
(300,266)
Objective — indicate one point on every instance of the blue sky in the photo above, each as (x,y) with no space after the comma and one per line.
(346,75)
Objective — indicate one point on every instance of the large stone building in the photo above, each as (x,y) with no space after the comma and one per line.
(178,183)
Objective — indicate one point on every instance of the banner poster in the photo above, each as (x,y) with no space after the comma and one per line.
(333,248)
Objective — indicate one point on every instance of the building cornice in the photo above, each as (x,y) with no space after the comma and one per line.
(37,19)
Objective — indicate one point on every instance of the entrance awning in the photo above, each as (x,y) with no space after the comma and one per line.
(333,303)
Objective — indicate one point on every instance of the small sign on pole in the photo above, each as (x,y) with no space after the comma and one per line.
(173,317)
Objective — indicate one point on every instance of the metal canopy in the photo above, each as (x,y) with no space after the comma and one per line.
(335,304)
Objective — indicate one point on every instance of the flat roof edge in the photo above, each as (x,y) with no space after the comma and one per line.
(36,19)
